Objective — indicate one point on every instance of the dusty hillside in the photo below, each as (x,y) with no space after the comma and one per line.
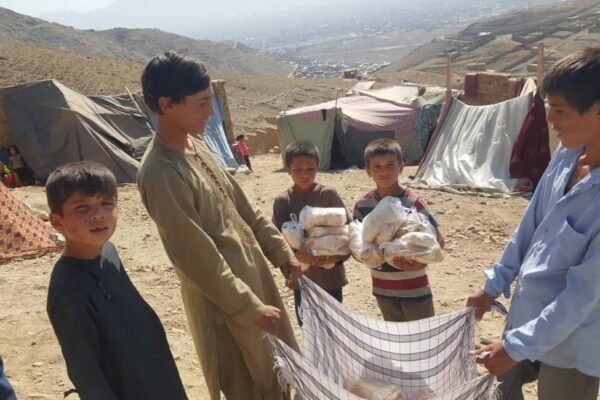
(507,43)
(254,100)
(475,229)
(135,45)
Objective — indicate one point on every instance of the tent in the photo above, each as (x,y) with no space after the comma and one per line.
(21,233)
(342,128)
(54,125)
(472,145)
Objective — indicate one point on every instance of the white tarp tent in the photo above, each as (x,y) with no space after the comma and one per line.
(473,145)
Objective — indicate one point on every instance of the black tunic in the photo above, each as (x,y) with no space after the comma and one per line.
(113,342)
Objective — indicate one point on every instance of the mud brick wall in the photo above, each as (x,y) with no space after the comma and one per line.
(493,87)
(5,139)
(263,141)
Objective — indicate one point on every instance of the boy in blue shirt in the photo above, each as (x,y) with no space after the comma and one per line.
(554,255)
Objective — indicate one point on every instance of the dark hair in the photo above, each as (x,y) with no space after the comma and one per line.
(576,77)
(87,177)
(382,147)
(14,147)
(172,75)
(240,137)
(300,148)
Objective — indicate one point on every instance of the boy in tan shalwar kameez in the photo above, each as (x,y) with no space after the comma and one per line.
(215,237)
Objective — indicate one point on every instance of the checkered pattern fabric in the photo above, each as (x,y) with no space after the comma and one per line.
(429,355)
(21,233)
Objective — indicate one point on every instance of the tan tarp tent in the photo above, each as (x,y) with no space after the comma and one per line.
(54,125)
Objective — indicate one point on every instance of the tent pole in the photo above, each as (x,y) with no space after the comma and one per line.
(449,73)
(540,64)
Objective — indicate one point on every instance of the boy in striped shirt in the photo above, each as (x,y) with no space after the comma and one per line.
(402,290)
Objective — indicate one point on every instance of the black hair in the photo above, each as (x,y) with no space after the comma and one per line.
(382,147)
(240,137)
(300,148)
(87,177)
(174,76)
(576,77)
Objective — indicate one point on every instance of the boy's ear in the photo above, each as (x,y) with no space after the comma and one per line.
(368,171)
(56,222)
(165,103)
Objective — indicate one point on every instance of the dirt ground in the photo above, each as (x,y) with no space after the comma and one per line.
(475,229)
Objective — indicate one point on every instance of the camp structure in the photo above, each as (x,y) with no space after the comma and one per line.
(21,233)
(342,128)
(53,125)
(501,147)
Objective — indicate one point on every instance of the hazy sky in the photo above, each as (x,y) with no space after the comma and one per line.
(37,7)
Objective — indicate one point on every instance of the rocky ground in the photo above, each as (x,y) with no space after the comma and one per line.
(475,228)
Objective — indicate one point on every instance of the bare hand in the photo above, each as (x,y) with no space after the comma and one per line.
(305,257)
(407,265)
(269,321)
(481,302)
(292,273)
(494,358)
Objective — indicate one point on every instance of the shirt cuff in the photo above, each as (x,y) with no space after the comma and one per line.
(491,287)
(514,348)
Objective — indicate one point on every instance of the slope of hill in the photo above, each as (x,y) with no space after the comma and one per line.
(135,45)
(254,101)
(509,42)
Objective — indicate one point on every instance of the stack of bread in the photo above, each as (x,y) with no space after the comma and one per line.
(393,231)
(322,231)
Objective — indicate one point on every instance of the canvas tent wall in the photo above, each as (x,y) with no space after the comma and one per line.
(54,125)
(342,128)
(473,144)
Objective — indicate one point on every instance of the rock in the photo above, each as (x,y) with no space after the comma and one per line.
(38,364)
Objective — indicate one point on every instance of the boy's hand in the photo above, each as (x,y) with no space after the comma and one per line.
(494,358)
(292,272)
(481,302)
(408,265)
(305,257)
(269,321)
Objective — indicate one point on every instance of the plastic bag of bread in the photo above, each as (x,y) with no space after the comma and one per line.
(382,224)
(320,231)
(293,232)
(330,245)
(322,216)
(422,247)
(368,254)
(373,390)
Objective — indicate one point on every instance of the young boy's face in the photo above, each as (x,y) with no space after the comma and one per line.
(384,170)
(303,170)
(87,221)
(574,129)
(191,114)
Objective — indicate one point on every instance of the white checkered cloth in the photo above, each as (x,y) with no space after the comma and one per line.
(341,346)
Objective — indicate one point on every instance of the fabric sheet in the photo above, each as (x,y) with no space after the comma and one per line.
(474,145)
(21,233)
(340,346)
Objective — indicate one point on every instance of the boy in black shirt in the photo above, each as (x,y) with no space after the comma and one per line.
(113,343)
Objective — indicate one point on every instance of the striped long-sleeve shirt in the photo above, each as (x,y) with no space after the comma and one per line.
(389,281)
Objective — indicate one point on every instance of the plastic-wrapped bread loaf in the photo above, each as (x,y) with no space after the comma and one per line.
(319,231)
(330,245)
(373,390)
(368,254)
(422,247)
(293,232)
(322,216)
(383,222)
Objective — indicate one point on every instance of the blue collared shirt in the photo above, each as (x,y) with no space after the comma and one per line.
(554,255)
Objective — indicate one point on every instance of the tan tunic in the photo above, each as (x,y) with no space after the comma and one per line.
(217,241)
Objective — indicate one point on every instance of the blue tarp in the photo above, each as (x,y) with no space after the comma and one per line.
(214,134)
